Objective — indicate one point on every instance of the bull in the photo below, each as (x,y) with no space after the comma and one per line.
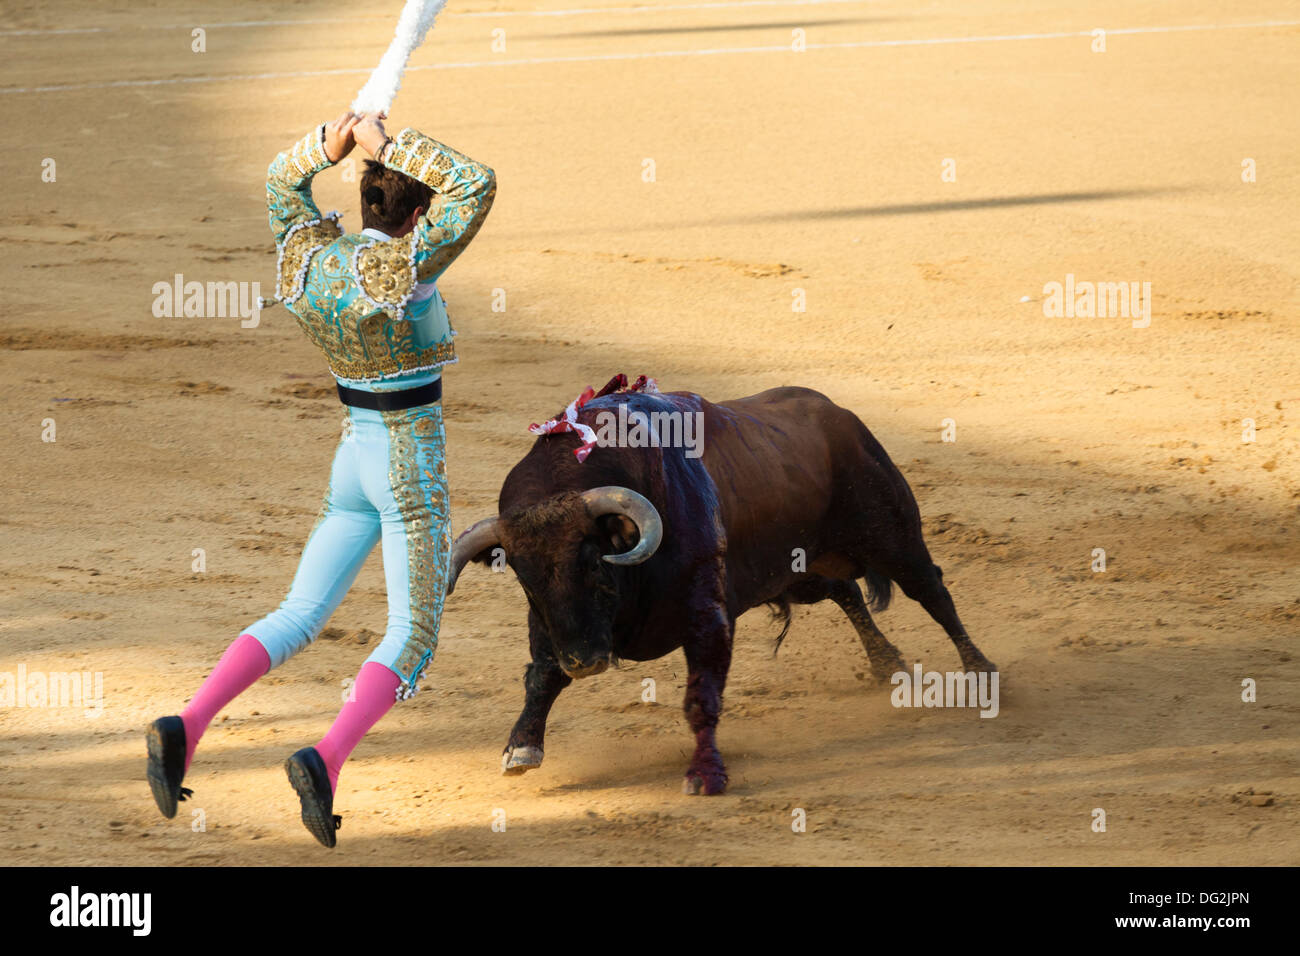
(636,552)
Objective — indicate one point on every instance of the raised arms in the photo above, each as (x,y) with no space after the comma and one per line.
(463,191)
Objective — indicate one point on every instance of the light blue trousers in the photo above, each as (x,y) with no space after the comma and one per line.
(389,484)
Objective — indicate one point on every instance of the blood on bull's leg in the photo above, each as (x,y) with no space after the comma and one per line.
(708,658)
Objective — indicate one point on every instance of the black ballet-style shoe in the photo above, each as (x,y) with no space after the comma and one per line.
(307,774)
(166,768)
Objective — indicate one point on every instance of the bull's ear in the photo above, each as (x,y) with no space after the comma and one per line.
(619,531)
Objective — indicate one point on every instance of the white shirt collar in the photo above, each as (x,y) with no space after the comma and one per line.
(375,234)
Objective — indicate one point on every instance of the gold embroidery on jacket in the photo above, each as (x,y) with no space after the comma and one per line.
(349,293)
(308,154)
(366,347)
(385,273)
(296,254)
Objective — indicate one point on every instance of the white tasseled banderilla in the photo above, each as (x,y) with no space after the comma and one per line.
(378,93)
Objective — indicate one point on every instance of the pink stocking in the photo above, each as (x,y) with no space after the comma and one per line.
(372,696)
(243,663)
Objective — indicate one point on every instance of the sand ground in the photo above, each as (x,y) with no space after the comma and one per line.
(775,171)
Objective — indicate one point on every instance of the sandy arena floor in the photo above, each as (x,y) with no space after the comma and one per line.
(775,171)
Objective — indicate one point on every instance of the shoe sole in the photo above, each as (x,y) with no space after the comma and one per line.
(163,793)
(314,817)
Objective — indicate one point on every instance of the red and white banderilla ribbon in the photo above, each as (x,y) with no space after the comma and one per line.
(567,421)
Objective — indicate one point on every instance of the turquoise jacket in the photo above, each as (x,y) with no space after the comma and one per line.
(367,301)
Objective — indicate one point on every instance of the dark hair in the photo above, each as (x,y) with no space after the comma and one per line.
(388,197)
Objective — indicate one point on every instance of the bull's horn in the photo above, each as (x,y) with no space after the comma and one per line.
(477,538)
(616,500)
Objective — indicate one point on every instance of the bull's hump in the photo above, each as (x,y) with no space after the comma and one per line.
(641,402)
(791,395)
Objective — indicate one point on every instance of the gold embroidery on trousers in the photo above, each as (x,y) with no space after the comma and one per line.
(417,476)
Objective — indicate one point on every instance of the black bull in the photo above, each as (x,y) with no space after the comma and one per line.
(639,551)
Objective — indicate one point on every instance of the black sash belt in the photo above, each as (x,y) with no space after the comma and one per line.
(391,401)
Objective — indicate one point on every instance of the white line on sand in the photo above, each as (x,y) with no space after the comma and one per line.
(598,57)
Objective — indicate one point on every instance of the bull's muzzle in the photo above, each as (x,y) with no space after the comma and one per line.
(576,668)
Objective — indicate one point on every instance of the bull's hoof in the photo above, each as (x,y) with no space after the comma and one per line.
(884,674)
(709,785)
(972,658)
(517,760)
(985,666)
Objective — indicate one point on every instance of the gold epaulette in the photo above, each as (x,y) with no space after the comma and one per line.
(385,273)
(300,243)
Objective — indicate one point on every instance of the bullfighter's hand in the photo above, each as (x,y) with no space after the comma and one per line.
(369,132)
(339,136)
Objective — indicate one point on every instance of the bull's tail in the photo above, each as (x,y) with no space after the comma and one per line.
(780,612)
(880,591)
